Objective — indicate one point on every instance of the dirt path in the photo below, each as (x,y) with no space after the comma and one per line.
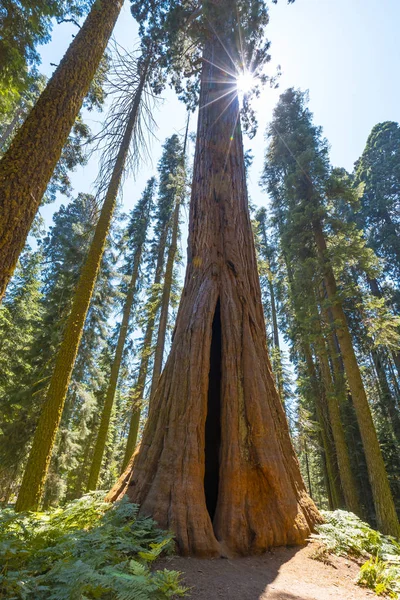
(284,574)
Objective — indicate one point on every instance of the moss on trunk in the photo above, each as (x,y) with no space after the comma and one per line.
(27,166)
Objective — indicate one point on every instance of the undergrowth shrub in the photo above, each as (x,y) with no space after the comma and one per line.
(87,550)
(345,534)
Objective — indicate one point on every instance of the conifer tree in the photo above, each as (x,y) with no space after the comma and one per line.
(216,419)
(36,470)
(378,171)
(136,239)
(59,257)
(298,166)
(24,25)
(27,166)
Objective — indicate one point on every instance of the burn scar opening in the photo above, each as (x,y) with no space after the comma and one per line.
(213,420)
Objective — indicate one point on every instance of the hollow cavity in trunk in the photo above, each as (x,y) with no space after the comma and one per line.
(213,420)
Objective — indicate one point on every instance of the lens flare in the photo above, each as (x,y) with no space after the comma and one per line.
(245,82)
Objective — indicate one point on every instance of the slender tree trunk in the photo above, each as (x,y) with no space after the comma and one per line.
(165,297)
(40,455)
(308,469)
(166,294)
(216,464)
(278,370)
(27,166)
(328,487)
(112,386)
(137,392)
(334,489)
(10,127)
(384,505)
(346,476)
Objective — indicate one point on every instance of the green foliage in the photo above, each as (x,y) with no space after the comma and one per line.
(89,549)
(345,534)
(378,173)
(376,575)
(26,24)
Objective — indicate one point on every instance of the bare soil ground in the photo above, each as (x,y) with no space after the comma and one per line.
(282,574)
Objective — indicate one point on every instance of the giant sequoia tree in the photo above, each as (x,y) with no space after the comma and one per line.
(216,463)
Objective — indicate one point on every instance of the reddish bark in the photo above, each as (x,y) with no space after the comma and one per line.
(240,461)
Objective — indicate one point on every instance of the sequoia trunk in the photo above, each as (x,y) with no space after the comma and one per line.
(27,166)
(216,464)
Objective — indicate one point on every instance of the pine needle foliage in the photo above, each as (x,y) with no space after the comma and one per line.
(88,549)
(344,534)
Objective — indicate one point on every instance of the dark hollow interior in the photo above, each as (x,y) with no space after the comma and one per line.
(213,420)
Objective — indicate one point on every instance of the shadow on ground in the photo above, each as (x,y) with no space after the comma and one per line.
(282,574)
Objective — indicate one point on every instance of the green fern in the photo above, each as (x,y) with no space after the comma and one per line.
(345,534)
(88,550)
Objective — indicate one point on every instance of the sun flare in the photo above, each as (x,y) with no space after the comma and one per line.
(245,82)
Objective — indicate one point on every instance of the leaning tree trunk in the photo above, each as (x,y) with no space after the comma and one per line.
(216,464)
(347,479)
(112,386)
(165,298)
(28,165)
(334,490)
(39,458)
(137,393)
(384,506)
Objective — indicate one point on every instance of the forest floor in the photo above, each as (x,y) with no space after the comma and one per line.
(282,574)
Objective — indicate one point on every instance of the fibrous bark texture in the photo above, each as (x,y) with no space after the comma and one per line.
(27,166)
(232,485)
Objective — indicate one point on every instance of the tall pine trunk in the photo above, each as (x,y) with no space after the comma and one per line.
(384,506)
(342,453)
(28,165)
(165,298)
(275,329)
(216,464)
(334,489)
(112,386)
(39,458)
(137,393)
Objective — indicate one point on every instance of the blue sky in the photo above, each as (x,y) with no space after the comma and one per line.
(345,52)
